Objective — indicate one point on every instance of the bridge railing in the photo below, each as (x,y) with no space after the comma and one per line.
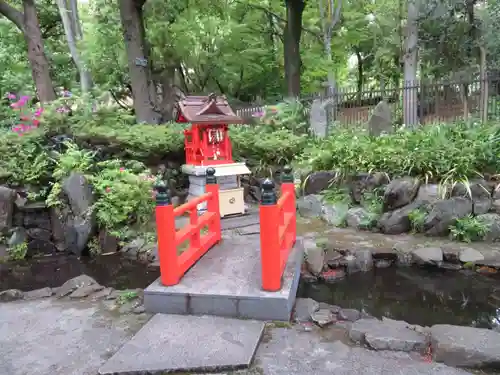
(278,229)
(173,262)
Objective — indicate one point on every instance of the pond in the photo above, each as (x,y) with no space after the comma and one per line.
(109,270)
(416,295)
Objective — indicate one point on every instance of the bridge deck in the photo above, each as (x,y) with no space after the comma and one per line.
(226,281)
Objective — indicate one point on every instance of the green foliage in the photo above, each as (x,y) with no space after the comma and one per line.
(336,194)
(290,114)
(373,201)
(468,229)
(417,219)
(24,159)
(124,196)
(18,252)
(443,152)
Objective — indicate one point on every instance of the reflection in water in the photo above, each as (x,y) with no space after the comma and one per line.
(110,270)
(418,296)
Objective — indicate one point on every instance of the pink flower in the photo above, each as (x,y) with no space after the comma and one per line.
(122,169)
(11,96)
(108,189)
(38,112)
(16,105)
(36,122)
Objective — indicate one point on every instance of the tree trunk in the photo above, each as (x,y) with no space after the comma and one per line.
(40,68)
(138,64)
(410,88)
(293,32)
(73,34)
(484,85)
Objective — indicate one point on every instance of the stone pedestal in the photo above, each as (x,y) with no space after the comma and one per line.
(227,178)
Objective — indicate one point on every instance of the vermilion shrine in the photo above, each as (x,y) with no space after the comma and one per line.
(207,144)
(248,276)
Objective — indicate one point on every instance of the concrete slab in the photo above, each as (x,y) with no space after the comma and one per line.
(240,221)
(53,337)
(227,282)
(248,230)
(169,343)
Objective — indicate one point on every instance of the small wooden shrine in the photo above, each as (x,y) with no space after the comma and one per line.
(207,144)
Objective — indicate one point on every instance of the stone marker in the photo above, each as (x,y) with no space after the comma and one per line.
(318,118)
(169,343)
(381,120)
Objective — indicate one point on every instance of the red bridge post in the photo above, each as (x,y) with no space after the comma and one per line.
(278,229)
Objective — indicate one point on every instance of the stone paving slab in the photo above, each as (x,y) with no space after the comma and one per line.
(226,281)
(290,352)
(170,343)
(240,221)
(251,229)
(51,337)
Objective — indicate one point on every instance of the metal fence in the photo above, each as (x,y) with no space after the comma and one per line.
(417,102)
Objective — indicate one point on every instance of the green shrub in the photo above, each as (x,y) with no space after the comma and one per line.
(468,229)
(417,219)
(442,152)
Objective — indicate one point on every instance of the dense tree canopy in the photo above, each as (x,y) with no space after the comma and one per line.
(245,49)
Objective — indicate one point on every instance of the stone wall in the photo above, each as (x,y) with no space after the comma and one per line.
(47,230)
(404,205)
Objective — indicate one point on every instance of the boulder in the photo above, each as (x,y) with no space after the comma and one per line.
(479,191)
(465,346)
(444,213)
(316,182)
(491,223)
(365,182)
(398,221)
(469,255)
(310,205)
(304,308)
(315,257)
(358,217)
(428,255)
(335,214)
(7,199)
(400,192)
(380,121)
(428,193)
(73,225)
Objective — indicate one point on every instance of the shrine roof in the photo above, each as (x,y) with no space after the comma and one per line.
(209,109)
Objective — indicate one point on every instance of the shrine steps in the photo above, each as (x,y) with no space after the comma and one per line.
(226,281)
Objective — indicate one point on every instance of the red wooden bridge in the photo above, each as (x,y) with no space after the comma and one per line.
(253,276)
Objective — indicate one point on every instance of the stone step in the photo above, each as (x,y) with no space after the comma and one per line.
(175,343)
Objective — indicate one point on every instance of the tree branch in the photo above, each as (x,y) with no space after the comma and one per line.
(12,14)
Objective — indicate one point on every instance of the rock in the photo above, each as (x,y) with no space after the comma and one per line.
(18,237)
(404,259)
(363,259)
(7,199)
(72,284)
(382,263)
(365,182)
(107,242)
(310,206)
(36,215)
(38,293)
(398,221)
(400,192)
(492,226)
(75,224)
(332,275)
(358,217)
(470,255)
(428,193)
(86,290)
(129,306)
(333,308)
(479,192)
(10,295)
(444,213)
(428,255)
(335,214)
(139,309)
(306,276)
(316,182)
(315,257)
(380,121)
(495,206)
(465,346)
(4,253)
(332,258)
(133,248)
(350,315)
(323,317)
(386,335)
(101,294)
(304,308)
